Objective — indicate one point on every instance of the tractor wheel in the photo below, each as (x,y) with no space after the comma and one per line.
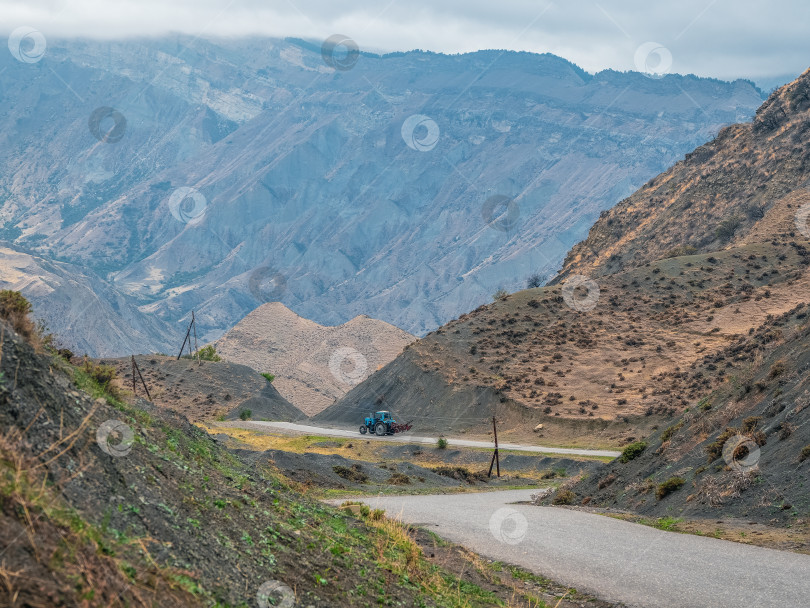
(363,430)
(381,430)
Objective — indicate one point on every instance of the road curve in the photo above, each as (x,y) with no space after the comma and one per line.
(408,438)
(614,560)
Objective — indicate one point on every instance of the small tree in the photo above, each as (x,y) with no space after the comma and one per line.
(209,353)
(245,414)
(441,443)
(533,281)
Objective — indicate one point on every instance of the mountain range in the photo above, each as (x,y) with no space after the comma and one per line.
(177,174)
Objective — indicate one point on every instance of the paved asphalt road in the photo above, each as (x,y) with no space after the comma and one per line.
(408,438)
(615,560)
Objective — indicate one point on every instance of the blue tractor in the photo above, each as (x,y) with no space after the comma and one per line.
(381,423)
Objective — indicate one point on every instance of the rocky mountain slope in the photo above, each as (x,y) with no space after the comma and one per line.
(678,276)
(81,308)
(226,174)
(313,364)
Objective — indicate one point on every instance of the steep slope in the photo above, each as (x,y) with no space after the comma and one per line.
(203,391)
(647,336)
(86,312)
(314,365)
(304,173)
(742,187)
(743,450)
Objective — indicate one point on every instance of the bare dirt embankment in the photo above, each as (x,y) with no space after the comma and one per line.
(207,390)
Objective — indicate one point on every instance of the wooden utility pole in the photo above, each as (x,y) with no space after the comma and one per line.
(196,348)
(495,459)
(192,325)
(137,370)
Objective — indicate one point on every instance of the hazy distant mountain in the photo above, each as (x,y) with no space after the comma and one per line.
(337,192)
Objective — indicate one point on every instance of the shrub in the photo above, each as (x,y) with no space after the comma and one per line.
(501,294)
(677,252)
(269,377)
(805,453)
(399,479)
(715,450)
(441,443)
(670,431)
(209,353)
(563,496)
(102,374)
(632,451)
(461,474)
(777,369)
(606,481)
(245,414)
(533,281)
(65,353)
(353,473)
(670,485)
(15,308)
(727,228)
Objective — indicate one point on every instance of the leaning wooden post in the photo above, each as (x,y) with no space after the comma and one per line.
(137,369)
(496,461)
(186,339)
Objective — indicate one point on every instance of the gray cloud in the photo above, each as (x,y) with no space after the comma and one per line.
(720,38)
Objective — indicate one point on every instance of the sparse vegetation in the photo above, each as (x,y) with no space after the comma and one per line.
(500,294)
(670,485)
(563,496)
(16,309)
(804,454)
(632,451)
(353,473)
(269,377)
(534,281)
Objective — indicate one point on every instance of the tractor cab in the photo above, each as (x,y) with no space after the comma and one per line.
(379,423)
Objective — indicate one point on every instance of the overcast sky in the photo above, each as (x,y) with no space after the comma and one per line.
(756,39)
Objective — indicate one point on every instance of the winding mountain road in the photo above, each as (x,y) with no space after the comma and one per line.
(614,560)
(408,438)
